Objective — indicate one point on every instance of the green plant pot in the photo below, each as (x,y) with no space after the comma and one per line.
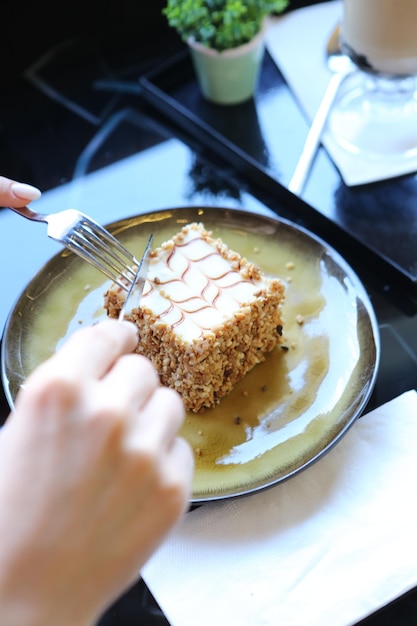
(231,76)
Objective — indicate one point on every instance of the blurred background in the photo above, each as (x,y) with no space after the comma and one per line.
(29,29)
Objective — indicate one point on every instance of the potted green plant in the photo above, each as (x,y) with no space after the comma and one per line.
(226,41)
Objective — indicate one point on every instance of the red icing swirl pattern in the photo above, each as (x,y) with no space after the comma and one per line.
(198,291)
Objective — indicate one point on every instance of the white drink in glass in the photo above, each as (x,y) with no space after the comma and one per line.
(375,114)
(381,35)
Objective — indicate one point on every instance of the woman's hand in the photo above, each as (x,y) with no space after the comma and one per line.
(92,478)
(15,194)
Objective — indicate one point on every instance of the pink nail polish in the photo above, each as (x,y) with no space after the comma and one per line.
(25,192)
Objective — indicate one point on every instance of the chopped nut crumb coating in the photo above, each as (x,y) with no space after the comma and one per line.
(207,315)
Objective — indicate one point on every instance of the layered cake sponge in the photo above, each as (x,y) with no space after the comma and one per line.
(206,317)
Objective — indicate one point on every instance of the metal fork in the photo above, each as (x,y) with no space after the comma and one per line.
(86,238)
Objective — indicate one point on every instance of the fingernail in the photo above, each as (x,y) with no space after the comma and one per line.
(25,192)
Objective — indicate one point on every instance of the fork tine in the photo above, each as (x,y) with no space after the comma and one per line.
(97,246)
(110,249)
(79,247)
(103,235)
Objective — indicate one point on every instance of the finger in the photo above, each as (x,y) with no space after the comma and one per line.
(157,425)
(93,351)
(130,383)
(173,488)
(179,472)
(15,194)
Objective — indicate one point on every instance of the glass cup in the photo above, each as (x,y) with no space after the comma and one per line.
(376,111)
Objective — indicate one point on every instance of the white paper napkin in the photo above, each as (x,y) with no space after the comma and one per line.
(325,548)
(296,41)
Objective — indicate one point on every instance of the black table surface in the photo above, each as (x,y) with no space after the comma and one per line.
(75,122)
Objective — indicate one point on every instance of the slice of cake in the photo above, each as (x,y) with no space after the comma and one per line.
(206,316)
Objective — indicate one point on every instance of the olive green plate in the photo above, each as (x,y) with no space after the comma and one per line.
(288,411)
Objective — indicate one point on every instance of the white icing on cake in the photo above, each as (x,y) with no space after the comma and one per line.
(193,289)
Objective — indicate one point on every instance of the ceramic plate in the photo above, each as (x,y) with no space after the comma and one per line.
(288,411)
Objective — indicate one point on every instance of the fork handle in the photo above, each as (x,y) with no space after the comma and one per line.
(29,214)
